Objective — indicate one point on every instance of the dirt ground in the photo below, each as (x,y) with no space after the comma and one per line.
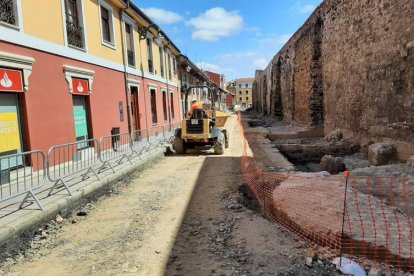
(184,216)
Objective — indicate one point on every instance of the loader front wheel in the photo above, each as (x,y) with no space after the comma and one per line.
(179,146)
(219,144)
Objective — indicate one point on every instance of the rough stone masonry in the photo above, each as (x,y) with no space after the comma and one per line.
(349,67)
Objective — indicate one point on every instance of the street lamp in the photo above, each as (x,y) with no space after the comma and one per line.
(144,30)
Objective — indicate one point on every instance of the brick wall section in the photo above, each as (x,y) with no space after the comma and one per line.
(372,91)
(317,92)
(276,79)
(287,82)
(349,67)
(302,78)
(257,98)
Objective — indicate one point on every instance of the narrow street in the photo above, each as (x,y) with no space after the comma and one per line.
(183,216)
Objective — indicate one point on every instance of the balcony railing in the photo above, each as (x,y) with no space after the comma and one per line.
(75,35)
(7,14)
(131,58)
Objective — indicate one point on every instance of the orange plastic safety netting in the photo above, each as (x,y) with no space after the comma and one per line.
(369,217)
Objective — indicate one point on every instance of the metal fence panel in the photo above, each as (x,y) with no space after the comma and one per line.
(140,141)
(156,136)
(117,146)
(170,131)
(69,159)
(22,173)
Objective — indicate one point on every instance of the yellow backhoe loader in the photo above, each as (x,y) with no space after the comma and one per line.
(202,126)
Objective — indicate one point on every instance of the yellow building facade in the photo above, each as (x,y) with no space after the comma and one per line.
(243,92)
(51,25)
(83,69)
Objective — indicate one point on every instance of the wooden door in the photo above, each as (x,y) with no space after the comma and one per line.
(135,109)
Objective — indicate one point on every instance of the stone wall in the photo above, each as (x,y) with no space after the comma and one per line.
(287,82)
(302,78)
(349,67)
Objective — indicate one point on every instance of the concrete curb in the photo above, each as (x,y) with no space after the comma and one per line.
(13,230)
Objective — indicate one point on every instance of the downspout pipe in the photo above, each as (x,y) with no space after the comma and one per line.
(128,107)
(170,67)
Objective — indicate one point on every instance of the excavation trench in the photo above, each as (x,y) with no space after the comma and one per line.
(377,211)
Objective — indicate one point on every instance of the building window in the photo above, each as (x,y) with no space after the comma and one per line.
(240,98)
(153,106)
(164,105)
(14,75)
(130,44)
(11,115)
(175,66)
(247,85)
(106,23)
(161,61)
(240,92)
(239,85)
(81,118)
(149,54)
(8,12)
(74,28)
(172,105)
(169,66)
(247,92)
(247,98)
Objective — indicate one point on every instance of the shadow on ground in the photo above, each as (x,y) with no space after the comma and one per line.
(220,235)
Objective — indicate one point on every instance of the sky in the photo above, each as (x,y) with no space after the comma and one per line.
(230,37)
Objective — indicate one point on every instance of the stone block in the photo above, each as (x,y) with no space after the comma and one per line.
(332,164)
(382,154)
(364,149)
(334,136)
(375,272)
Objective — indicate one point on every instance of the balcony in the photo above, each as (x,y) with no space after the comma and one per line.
(7,14)
(131,58)
(75,35)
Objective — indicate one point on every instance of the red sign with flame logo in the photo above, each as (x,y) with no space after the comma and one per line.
(80,86)
(11,80)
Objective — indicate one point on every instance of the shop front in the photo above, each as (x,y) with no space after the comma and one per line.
(11,91)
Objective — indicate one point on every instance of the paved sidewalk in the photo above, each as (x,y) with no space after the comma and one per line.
(15,221)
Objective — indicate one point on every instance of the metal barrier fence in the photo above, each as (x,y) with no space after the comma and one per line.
(69,159)
(139,142)
(22,173)
(365,217)
(170,131)
(117,146)
(156,137)
(25,172)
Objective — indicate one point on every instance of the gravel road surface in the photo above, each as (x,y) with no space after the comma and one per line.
(187,215)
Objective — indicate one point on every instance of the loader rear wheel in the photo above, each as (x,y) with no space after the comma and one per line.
(179,146)
(219,144)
